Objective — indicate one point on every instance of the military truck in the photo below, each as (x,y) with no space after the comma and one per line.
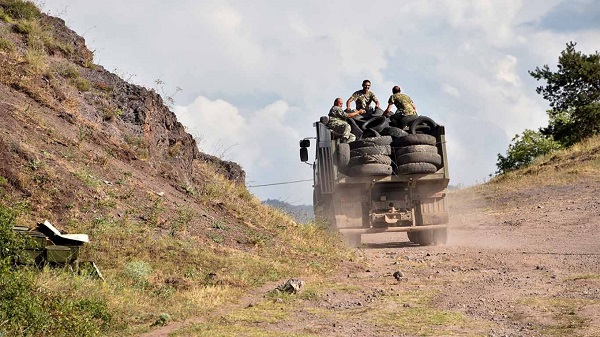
(392,179)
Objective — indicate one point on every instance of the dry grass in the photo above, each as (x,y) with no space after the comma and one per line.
(557,168)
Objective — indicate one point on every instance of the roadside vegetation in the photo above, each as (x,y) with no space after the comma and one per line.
(573,92)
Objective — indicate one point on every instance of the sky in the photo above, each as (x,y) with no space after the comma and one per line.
(250,77)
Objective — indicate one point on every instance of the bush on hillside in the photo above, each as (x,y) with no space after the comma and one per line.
(524,149)
(18,9)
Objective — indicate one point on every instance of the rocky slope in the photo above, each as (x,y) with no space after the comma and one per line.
(64,117)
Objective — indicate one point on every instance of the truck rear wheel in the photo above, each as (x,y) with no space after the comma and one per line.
(432,237)
(412,236)
(424,238)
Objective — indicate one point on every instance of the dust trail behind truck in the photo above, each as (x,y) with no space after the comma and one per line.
(391,179)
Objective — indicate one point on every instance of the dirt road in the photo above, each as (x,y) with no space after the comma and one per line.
(523,263)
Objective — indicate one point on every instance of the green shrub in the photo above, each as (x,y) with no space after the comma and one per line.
(4,16)
(18,9)
(10,242)
(6,45)
(139,273)
(82,84)
(68,70)
(524,149)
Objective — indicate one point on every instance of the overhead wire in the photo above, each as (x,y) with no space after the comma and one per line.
(281,183)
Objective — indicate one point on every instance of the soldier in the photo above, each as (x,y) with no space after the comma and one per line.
(404,105)
(363,98)
(338,120)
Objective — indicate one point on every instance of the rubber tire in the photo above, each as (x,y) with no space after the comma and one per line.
(377,123)
(375,149)
(425,238)
(370,133)
(412,237)
(419,121)
(416,168)
(355,128)
(420,157)
(366,142)
(343,156)
(370,170)
(418,139)
(415,149)
(401,121)
(394,132)
(370,159)
(422,128)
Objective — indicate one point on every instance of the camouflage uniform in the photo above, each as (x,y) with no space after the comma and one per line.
(337,123)
(403,103)
(363,101)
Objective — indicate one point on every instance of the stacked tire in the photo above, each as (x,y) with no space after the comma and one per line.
(416,154)
(370,157)
(382,149)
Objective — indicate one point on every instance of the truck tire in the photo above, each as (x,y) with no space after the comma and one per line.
(370,133)
(375,149)
(412,236)
(370,170)
(420,157)
(343,156)
(416,168)
(401,121)
(354,128)
(433,237)
(393,132)
(422,123)
(370,141)
(415,149)
(424,238)
(414,139)
(370,159)
(377,123)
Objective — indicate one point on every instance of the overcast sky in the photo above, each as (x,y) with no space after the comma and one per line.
(256,74)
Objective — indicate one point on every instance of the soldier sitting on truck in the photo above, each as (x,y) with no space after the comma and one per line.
(406,110)
(338,118)
(363,98)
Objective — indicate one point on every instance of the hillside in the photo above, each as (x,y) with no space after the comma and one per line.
(173,230)
(186,250)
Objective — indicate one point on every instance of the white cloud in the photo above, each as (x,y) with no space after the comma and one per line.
(450,90)
(505,70)
(213,123)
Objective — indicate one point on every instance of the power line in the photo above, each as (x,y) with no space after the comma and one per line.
(282,183)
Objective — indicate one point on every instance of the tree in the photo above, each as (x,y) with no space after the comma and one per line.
(524,149)
(574,95)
